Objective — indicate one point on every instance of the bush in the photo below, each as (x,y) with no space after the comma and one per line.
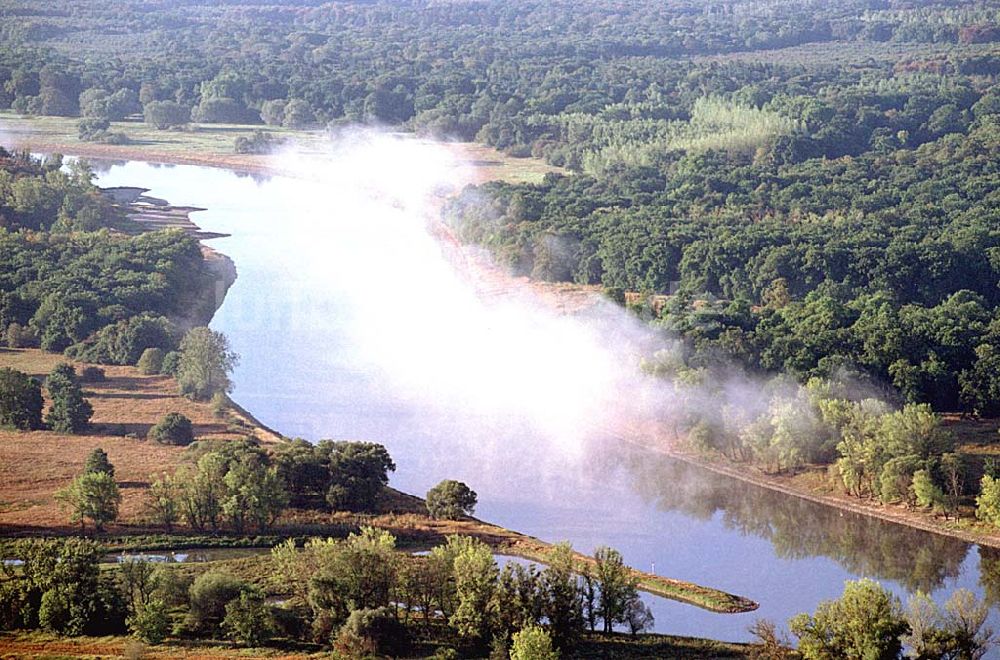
(151,361)
(151,622)
(450,499)
(248,619)
(533,643)
(92,375)
(208,597)
(376,630)
(173,429)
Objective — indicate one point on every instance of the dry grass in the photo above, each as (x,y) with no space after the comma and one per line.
(33,466)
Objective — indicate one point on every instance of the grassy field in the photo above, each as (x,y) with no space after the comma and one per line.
(212,144)
(34,465)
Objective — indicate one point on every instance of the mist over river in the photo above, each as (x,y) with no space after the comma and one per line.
(341,313)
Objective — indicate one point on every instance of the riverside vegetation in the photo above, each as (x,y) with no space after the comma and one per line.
(103,295)
(804,189)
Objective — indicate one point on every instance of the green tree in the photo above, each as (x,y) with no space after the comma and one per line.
(475,573)
(928,494)
(378,631)
(166,114)
(988,500)
(97,461)
(151,622)
(20,400)
(255,494)
(248,620)
(205,364)
(173,429)
(69,412)
(533,643)
(866,623)
(618,587)
(450,500)
(563,603)
(58,586)
(359,471)
(162,504)
(92,495)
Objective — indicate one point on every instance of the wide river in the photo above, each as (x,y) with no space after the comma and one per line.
(345,334)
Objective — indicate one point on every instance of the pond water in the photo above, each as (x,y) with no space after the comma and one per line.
(328,354)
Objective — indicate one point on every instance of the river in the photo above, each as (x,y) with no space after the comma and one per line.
(320,345)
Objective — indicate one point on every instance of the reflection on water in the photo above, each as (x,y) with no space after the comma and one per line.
(298,375)
(798,528)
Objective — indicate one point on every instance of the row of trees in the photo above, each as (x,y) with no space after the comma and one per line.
(359,595)
(461,584)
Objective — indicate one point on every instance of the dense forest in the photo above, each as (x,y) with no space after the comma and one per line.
(74,276)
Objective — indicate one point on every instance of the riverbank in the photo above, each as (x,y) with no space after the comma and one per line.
(963,529)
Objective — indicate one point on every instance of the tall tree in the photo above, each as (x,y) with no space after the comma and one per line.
(205,364)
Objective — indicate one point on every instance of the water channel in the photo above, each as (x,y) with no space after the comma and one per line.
(306,259)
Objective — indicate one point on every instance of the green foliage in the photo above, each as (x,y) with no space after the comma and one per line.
(151,622)
(359,471)
(208,598)
(927,494)
(173,429)
(379,631)
(959,631)
(451,500)
(57,588)
(233,485)
(865,622)
(93,496)
(532,643)
(151,361)
(205,364)
(617,587)
(248,620)
(162,504)
(475,573)
(988,500)
(166,114)
(20,400)
(97,461)
(171,361)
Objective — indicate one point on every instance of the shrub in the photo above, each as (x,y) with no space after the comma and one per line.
(151,361)
(173,429)
(208,597)
(248,619)
(151,622)
(450,499)
(533,643)
(377,630)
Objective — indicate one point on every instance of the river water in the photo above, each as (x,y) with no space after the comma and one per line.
(293,315)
